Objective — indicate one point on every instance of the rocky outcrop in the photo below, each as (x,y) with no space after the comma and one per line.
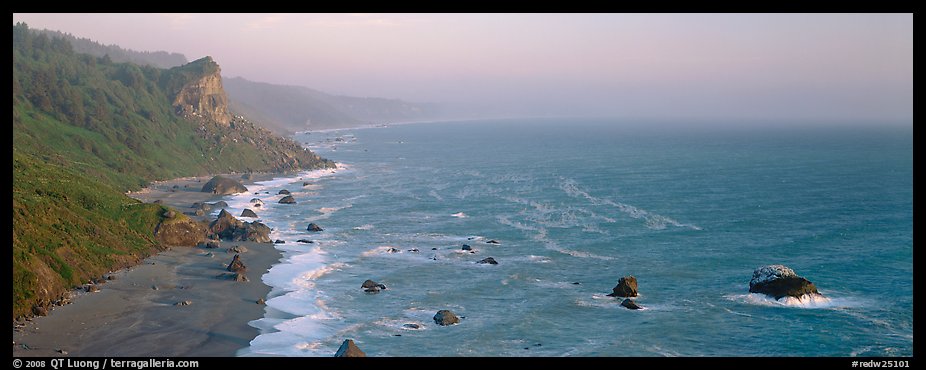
(288,200)
(284,192)
(248,213)
(203,96)
(630,304)
(228,227)
(780,281)
(349,349)
(446,317)
(236,265)
(626,287)
(314,227)
(488,260)
(179,231)
(224,186)
(371,286)
(208,244)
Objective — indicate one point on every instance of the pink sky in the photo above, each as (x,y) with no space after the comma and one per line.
(763,66)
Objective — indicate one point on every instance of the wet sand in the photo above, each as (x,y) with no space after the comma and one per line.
(129,317)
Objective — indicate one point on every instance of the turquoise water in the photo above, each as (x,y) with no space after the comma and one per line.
(689,212)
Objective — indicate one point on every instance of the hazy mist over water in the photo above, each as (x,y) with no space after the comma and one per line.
(742,68)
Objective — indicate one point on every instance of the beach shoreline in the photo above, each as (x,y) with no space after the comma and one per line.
(141,312)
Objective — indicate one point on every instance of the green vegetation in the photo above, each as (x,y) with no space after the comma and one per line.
(159,59)
(86,130)
(68,228)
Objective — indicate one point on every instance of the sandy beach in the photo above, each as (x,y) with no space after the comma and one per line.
(138,312)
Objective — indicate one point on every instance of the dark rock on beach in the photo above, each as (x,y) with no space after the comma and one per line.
(626,287)
(488,260)
(236,265)
(780,281)
(349,349)
(208,244)
(288,200)
(630,304)
(314,227)
(39,311)
(261,301)
(446,317)
(219,204)
(201,205)
(223,185)
(228,227)
(248,213)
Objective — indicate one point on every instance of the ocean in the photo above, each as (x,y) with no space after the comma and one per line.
(574,206)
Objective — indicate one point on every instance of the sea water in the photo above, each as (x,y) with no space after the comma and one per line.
(575,205)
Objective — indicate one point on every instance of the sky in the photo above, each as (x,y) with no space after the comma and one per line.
(789,67)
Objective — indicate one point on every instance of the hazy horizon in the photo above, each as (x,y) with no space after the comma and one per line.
(794,67)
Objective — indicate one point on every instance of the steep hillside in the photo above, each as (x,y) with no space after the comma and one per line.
(86,130)
(287,109)
(159,59)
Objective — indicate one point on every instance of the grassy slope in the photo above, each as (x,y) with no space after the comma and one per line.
(85,130)
(68,228)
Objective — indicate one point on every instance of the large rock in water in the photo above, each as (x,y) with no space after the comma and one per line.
(630,304)
(288,200)
(371,286)
(223,185)
(248,213)
(626,287)
(349,349)
(780,281)
(314,227)
(446,317)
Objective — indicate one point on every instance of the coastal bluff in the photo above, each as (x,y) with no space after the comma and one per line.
(203,96)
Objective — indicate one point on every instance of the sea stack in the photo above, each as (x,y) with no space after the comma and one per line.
(779,281)
(626,287)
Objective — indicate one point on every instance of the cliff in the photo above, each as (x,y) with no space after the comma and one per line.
(202,95)
(287,109)
(86,130)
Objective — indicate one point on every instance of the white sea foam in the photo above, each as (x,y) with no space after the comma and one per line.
(811,301)
(364,227)
(383,249)
(652,220)
(459,215)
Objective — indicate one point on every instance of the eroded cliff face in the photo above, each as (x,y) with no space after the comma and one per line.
(203,97)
